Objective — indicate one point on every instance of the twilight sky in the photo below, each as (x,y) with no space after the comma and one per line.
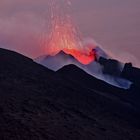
(115,24)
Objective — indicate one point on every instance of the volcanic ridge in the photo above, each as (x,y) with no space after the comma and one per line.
(66,104)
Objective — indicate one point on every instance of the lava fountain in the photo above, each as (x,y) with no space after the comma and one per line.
(64,36)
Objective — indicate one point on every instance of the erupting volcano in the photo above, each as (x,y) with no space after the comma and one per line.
(64,35)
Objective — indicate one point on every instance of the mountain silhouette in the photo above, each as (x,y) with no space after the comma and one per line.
(69,104)
(94,68)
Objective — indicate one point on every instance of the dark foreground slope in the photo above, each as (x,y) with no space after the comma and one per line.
(80,77)
(38,104)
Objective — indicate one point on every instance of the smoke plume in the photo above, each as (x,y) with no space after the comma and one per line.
(94,68)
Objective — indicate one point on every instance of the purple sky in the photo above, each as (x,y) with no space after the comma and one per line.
(115,24)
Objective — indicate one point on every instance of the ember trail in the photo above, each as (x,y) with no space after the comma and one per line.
(64,35)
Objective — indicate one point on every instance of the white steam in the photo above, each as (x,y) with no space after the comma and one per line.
(95,69)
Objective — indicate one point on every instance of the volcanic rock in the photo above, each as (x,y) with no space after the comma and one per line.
(37,103)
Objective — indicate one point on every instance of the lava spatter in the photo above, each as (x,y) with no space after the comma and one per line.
(64,35)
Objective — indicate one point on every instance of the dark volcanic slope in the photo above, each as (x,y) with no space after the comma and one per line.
(38,104)
(78,76)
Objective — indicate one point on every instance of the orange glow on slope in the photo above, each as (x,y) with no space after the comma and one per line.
(65,37)
(82,58)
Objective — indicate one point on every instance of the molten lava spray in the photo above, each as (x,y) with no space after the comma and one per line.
(64,36)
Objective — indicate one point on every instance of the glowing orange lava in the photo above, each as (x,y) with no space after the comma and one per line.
(65,37)
(82,58)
